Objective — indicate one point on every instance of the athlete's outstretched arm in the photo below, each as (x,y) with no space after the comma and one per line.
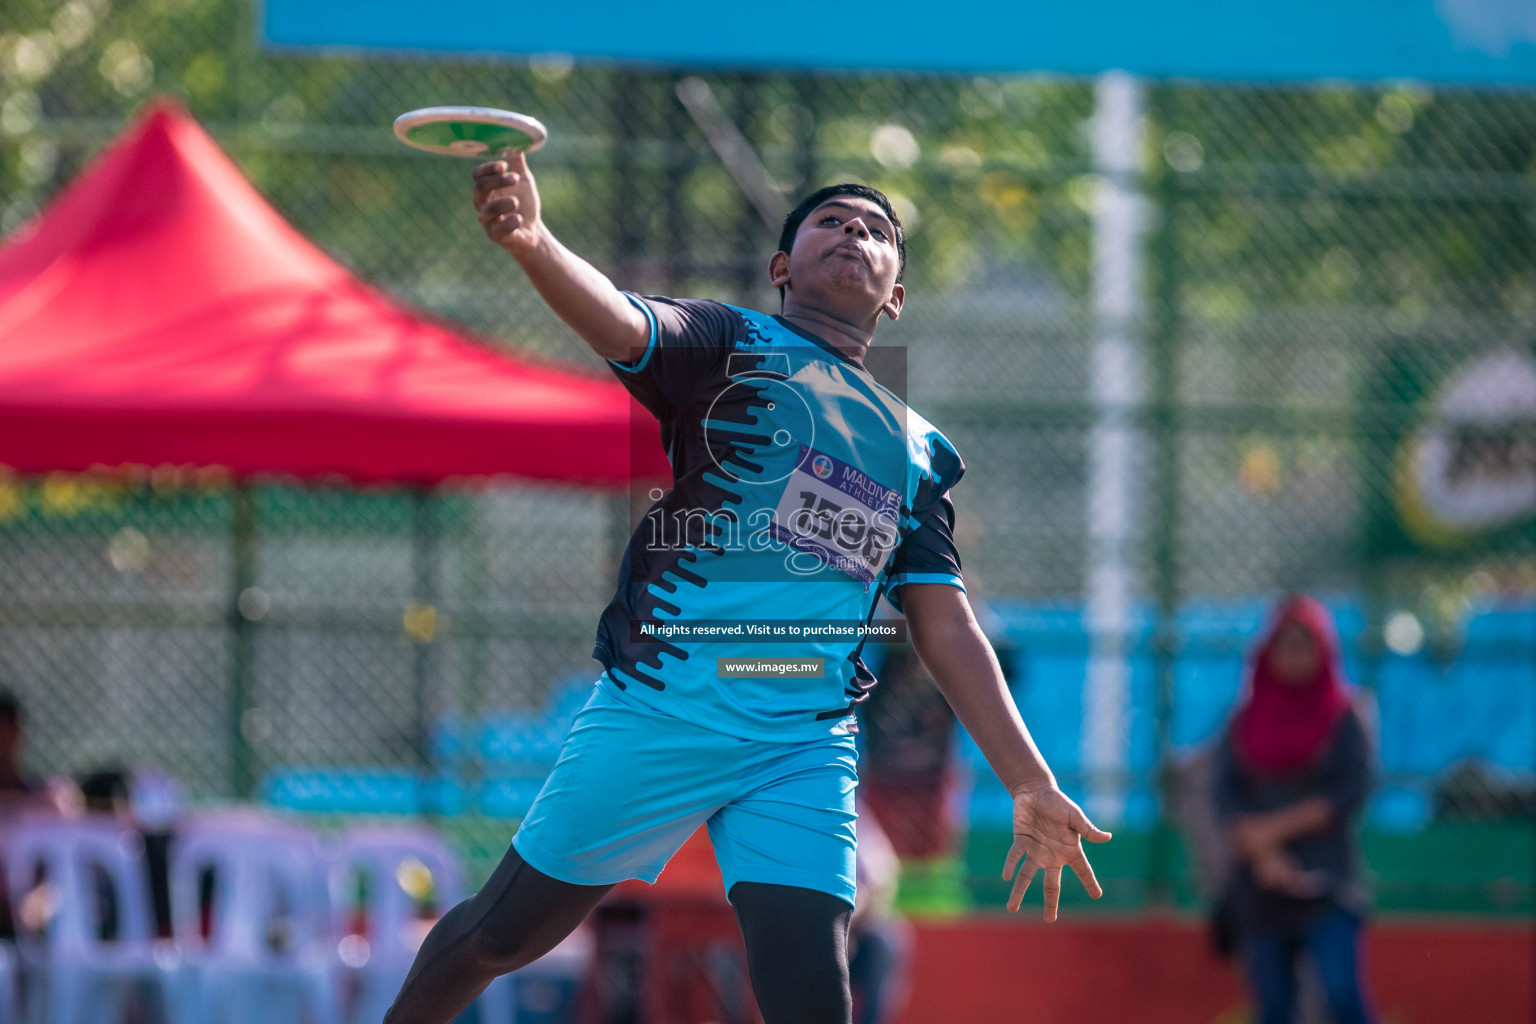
(1048,828)
(507,201)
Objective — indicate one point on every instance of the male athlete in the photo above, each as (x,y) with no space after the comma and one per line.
(803,490)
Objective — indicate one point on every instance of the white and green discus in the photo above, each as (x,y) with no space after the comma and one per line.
(470,131)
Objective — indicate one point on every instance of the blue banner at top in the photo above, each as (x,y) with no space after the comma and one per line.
(1472,42)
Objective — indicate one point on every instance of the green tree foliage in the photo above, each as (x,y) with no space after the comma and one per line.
(1390,197)
(1299,236)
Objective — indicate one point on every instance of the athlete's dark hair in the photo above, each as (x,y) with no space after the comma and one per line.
(799,213)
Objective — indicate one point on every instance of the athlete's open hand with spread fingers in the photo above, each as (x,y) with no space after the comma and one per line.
(507,201)
(1048,830)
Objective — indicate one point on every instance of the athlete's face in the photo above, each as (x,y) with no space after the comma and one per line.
(844,253)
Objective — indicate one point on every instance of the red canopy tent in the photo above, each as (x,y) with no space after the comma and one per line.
(160,312)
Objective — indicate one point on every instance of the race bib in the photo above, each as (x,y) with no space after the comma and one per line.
(839,514)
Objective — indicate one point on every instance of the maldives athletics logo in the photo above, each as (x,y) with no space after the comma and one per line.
(821,466)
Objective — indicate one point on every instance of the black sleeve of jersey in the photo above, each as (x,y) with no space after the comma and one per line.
(689,341)
(928,553)
(930,549)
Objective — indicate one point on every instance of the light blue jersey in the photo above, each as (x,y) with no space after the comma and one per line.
(803,489)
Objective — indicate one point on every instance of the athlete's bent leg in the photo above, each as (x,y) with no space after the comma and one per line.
(518,916)
(797,952)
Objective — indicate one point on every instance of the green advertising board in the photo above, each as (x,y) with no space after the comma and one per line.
(1460,458)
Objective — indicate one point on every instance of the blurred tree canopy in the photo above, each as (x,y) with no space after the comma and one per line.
(1301,238)
(1394,198)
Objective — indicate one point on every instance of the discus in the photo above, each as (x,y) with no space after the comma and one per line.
(469,131)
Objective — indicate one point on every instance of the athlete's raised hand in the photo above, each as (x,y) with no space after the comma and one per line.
(1048,830)
(507,201)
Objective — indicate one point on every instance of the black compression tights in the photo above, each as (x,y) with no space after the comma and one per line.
(518,916)
(797,945)
(797,951)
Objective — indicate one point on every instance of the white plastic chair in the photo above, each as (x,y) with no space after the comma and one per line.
(74,975)
(268,952)
(388,862)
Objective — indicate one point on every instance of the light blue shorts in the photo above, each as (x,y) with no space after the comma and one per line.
(632,785)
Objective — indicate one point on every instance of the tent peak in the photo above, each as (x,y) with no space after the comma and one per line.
(159,311)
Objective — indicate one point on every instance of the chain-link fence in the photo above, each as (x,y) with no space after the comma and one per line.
(1321,376)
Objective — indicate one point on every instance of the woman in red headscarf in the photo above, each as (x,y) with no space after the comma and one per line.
(1292,773)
